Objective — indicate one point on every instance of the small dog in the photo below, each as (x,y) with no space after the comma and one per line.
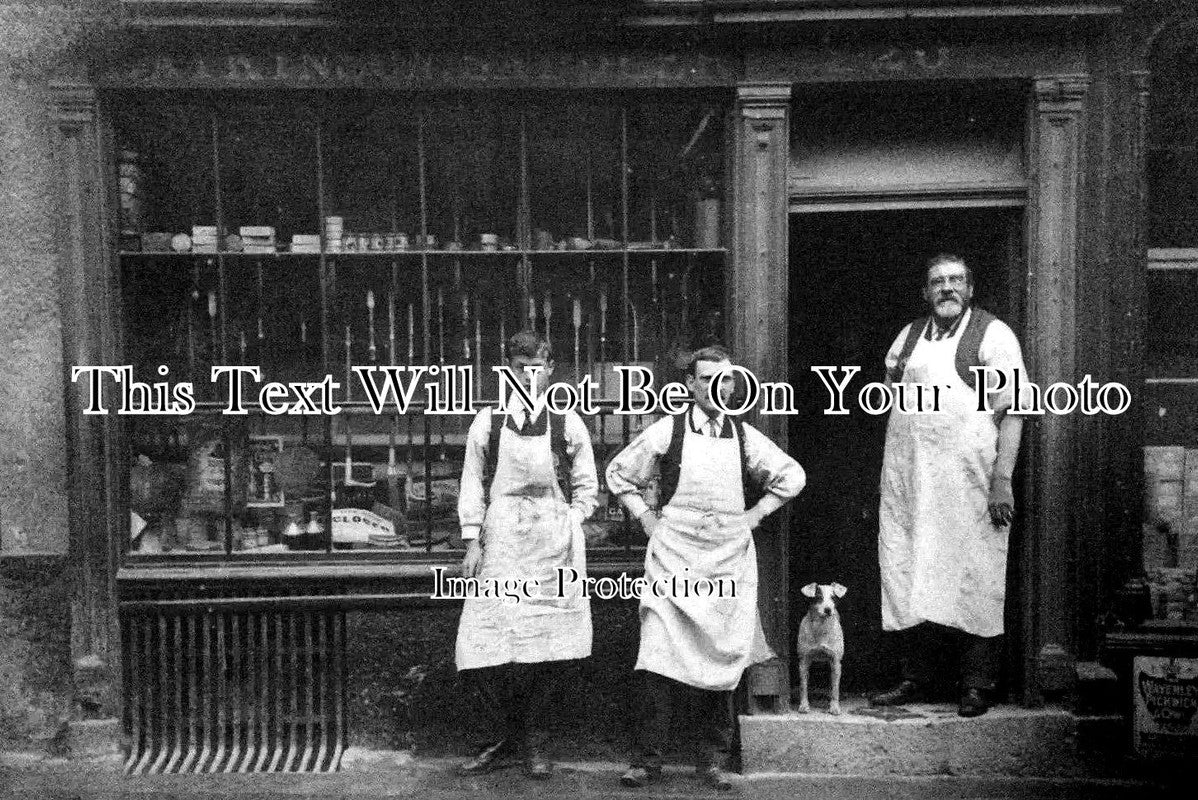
(820,636)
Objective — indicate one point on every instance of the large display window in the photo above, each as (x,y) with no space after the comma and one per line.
(308,234)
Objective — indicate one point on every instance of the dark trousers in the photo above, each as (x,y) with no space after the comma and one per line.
(924,646)
(657,698)
(514,701)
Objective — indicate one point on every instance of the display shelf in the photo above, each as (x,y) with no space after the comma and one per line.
(633,251)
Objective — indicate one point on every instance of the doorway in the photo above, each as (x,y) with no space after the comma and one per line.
(855,282)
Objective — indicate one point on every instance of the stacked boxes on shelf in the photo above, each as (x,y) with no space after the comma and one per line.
(1171,529)
(1187,534)
(258,239)
(305,243)
(203,239)
(334,227)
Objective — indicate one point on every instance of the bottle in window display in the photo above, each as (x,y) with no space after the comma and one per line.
(293,535)
(314,532)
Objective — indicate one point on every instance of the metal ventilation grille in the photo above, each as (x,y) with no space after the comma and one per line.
(234,691)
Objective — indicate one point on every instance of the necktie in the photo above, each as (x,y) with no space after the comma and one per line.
(713,429)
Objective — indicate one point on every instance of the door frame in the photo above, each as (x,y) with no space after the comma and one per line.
(1019,640)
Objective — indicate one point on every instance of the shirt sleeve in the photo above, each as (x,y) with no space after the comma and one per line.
(630,471)
(1000,349)
(892,355)
(583,478)
(472,506)
(778,473)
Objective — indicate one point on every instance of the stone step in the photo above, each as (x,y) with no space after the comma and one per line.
(927,740)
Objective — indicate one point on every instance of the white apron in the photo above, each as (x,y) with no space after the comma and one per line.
(527,532)
(704,642)
(941,557)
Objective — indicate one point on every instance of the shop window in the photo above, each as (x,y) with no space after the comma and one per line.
(1171,339)
(307,235)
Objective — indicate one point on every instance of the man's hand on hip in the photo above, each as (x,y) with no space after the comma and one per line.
(649,521)
(473,559)
(1001,502)
(753,518)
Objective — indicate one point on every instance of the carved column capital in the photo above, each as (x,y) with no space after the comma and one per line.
(763,100)
(1061,92)
(73,102)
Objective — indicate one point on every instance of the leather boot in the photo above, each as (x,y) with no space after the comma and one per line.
(905,692)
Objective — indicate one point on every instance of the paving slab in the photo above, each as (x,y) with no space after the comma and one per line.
(401,776)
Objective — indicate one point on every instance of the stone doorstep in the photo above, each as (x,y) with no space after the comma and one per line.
(929,739)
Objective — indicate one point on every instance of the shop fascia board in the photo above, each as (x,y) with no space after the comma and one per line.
(726,12)
(405,14)
(330,14)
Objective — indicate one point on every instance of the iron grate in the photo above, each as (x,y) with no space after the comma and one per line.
(234,691)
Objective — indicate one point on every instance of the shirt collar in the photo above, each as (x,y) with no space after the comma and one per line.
(699,420)
(515,410)
(957,326)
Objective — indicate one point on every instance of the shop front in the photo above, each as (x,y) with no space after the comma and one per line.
(309,193)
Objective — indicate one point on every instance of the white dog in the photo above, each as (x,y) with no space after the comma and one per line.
(820,636)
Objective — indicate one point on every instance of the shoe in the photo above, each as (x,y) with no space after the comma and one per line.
(973,703)
(488,759)
(714,777)
(905,692)
(537,765)
(636,777)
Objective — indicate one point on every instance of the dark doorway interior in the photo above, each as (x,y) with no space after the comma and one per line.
(855,281)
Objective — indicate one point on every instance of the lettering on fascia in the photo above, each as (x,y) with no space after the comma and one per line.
(324,68)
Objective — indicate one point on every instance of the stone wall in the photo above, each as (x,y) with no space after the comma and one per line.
(38,41)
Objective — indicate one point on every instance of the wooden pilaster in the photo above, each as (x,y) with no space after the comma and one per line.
(758,308)
(90,336)
(1055,165)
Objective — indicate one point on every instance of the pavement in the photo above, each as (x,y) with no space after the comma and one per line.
(30,777)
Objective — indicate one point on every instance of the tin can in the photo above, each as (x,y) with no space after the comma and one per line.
(349,243)
(401,241)
(378,242)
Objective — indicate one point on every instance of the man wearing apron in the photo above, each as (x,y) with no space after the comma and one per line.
(520,525)
(946,499)
(692,644)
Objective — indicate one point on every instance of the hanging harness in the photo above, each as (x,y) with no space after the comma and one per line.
(968,348)
(562,463)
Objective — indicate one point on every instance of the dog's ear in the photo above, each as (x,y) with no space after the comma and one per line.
(838,590)
(810,589)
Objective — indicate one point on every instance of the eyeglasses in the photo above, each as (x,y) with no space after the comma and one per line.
(947,280)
